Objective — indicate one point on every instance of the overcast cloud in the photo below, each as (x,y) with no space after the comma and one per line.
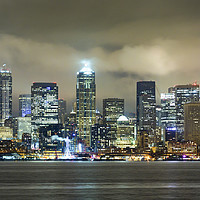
(125,41)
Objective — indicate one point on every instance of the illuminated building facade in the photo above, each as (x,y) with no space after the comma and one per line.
(184,94)
(6,133)
(185,147)
(5,94)
(146,108)
(168,112)
(26,140)
(24,105)
(192,122)
(62,111)
(168,116)
(158,115)
(23,126)
(85,103)
(48,135)
(113,108)
(44,107)
(125,133)
(100,137)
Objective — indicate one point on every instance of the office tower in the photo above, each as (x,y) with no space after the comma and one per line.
(12,123)
(125,133)
(6,133)
(62,110)
(26,141)
(146,109)
(168,116)
(143,141)
(72,117)
(23,126)
(48,137)
(192,122)
(184,94)
(71,133)
(5,94)
(168,112)
(99,137)
(44,108)
(86,103)
(99,117)
(113,108)
(24,105)
(158,115)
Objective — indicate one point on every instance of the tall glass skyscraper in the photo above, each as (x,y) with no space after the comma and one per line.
(62,110)
(168,116)
(146,108)
(113,108)
(168,112)
(86,103)
(5,94)
(44,107)
(24,105)
(192,122)
(184,94)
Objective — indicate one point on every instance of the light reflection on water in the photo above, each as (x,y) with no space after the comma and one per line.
(99,180)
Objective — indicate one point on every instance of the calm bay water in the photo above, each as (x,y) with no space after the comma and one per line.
(99,180)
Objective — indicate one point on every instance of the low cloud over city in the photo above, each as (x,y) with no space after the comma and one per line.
(124,43)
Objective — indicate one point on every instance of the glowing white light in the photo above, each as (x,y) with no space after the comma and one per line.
(122,118)
(86,63)
(86,69)
(79,147)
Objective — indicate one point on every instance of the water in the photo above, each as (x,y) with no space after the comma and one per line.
(99,180)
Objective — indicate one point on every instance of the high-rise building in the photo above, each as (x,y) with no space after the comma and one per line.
(99,137)
(146,108)
(23,126)
(5,94)
(158,115)
(168,116)
(62,110)
(184,94)
(24,105)
(44,107)
(86,103)
(192,122)
(6,133)
(113,108)
(125,133)
(168,112)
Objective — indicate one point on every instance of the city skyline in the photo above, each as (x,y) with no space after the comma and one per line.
(99,99)
(125,42)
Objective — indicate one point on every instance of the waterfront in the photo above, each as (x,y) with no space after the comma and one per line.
(99,180)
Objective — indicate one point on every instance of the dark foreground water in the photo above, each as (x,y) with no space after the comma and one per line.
(99,180)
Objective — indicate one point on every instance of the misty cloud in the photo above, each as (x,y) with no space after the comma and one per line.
(132,75)
(125,41)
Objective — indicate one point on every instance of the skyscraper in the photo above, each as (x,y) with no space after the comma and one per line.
(5,94)
(62,111)
(146,108)
(86,103)
(125,133)
(168,112)
(113,108)
(168,116)
(44,107)
(184,94)
(192,122)
(24,105)
(23,126)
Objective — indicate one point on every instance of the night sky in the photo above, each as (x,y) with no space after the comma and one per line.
(125,41)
